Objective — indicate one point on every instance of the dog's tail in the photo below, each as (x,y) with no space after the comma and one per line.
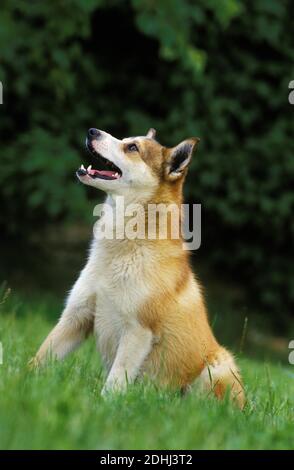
(221,376)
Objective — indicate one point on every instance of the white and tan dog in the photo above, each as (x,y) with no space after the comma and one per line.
(139,296)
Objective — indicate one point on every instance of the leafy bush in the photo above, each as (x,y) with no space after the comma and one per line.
(218,69)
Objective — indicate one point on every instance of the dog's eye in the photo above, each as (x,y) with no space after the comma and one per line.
(132,148)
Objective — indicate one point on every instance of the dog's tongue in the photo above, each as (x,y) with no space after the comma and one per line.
(101,172)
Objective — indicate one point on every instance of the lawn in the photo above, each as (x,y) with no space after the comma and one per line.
(61,407)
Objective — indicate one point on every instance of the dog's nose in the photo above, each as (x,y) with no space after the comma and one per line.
(93,133)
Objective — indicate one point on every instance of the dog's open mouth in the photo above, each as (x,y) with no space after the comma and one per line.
(107,170)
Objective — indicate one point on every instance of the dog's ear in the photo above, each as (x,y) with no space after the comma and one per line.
(179,158)
(151,134)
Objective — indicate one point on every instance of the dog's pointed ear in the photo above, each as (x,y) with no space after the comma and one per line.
(179,158)
(151,134)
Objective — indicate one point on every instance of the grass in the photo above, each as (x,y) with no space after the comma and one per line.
(61,407)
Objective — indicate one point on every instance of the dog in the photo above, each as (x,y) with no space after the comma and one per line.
(139,296)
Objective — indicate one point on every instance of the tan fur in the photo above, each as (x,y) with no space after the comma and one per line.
(156,308)
(185,345)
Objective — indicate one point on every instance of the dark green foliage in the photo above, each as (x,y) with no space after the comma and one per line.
(217,69)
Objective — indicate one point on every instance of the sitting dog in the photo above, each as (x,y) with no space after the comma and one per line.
(139,295)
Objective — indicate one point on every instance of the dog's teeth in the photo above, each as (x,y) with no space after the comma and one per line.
(116,174)
(89,168)
(82,167)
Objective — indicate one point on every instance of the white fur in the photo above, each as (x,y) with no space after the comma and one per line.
(223,366)
(110,290)
(134,346)
(120,292)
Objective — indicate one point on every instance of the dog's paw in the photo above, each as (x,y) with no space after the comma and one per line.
(111,388)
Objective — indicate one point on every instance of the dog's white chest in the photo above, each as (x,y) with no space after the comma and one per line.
(122,288)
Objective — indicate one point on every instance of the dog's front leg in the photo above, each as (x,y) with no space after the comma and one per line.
(134,346)
(75,322)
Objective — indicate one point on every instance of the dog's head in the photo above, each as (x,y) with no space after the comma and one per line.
(134,164)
